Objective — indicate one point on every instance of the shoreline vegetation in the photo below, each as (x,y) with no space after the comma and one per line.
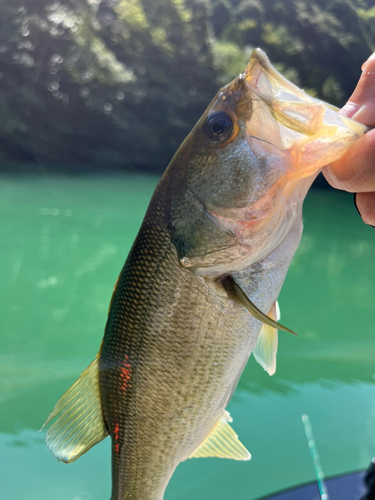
(117,85)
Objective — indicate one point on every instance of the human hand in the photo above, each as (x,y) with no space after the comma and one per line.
(355,172)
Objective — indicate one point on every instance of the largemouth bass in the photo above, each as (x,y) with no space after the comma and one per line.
(198,291)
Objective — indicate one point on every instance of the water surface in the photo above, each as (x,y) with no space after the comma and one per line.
(63,243)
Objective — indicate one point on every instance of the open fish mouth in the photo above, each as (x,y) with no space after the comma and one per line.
(309,128)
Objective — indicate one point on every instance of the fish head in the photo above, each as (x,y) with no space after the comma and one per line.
(240,177)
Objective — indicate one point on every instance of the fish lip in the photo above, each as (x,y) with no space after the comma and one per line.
(260,58)
(258,55)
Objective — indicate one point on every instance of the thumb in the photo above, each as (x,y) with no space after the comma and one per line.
(355,171)
(361,104)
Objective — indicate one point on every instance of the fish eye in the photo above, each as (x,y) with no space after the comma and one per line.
(218,127)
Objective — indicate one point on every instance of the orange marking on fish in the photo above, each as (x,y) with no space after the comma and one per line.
(117,430)
(125,374)
(116,436)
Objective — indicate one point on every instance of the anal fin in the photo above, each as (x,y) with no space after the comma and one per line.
(222,442)
(265,349)
(80,423)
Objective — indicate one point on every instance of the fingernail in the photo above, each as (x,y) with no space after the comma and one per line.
(365,113)
(359,213)
(362,112)
(355,203)
(371,58)
(349,109)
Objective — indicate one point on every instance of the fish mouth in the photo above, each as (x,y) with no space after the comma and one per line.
(308,130)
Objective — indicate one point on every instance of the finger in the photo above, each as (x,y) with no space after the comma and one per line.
(362,100)
(355,172)
(365,204)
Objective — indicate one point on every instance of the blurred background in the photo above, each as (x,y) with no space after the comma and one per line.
(95,98)
(118,84)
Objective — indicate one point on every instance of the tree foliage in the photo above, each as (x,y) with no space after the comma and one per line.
(119,83)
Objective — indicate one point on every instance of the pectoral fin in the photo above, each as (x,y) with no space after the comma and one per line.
(235,292)
(80,423)
(222,442)
(265,349)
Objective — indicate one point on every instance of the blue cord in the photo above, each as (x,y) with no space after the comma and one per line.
(315,458)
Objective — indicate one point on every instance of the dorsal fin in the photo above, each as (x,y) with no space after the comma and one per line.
(222,442)
(80,423)
(265,349)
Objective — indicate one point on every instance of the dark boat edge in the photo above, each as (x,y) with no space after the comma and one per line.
(357,485)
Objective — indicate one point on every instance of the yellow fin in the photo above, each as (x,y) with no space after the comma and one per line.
(265,349)
(80,423)
(222,442)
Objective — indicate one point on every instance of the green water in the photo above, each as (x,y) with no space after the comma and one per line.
(63,242)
